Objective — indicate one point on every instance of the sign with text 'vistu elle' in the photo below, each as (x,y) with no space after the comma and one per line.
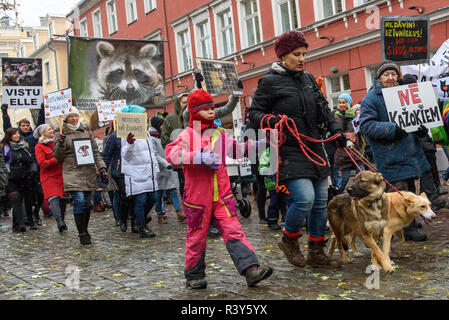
(405,39)
(412,105)
(136,123)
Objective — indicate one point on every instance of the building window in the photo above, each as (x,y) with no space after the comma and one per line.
(249,13)
(203,40)
(96,22)
(225,32)
(83,28)
(112,16)
(328,8)
(149,5)
(51,29)
(4,54)
(370,74)
(286,15)
(360,2)
(335,86)
(184,51)
(47,72)
(36,41)
(131,11)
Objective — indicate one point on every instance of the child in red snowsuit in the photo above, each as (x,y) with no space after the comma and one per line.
(201,149)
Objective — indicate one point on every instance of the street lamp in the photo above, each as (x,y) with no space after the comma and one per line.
(419,9)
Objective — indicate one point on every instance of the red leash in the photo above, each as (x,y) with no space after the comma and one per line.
(369,167)
(289,124)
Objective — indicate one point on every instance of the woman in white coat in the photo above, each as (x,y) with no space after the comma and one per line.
(140,168)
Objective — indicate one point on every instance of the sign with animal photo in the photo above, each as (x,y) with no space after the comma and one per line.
(84,154)
(220,77)
(443,88)
(107,110)
(405,39)
(22,83)
(411,105)
(110,70)
(58,103)
(136,123)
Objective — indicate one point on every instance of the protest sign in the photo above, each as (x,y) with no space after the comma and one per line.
(356,124)
(22,83)
(220,77)
(411,105)
(107,110)
(405,39)
(136,123)
(58,103)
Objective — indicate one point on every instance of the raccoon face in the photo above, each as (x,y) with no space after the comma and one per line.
(128,73)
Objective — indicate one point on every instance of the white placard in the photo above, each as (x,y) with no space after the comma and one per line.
(23,97)
(107,110)
(58,103)
(356,124)
(411,105)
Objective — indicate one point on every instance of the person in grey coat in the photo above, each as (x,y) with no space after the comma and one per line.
(168,178)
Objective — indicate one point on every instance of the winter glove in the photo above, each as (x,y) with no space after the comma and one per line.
(4,109)
(399,133)
(198,79)
(169,167)
(421,132)
(272,121)
(240,84)
(130,138)
(349,144)
(341,141)
(206,159)
(61,140)
(104,175)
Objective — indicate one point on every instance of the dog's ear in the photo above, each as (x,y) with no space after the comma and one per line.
(424,195)
(379,177)
(408,202)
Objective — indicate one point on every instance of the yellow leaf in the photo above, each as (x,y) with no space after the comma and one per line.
(324,277)
(431,289)
(323,296)
(341,284)
(316,275)
(116,275)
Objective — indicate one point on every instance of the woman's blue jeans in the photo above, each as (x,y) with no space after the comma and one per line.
(139,206)
(308,199)
(81,201)
(345,176)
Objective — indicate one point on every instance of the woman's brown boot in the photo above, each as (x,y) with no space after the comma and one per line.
(292,252)
(316,257)
(181,215)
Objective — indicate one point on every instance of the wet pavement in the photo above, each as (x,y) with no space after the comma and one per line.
(46,265)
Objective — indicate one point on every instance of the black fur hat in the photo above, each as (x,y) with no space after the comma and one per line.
(157,122)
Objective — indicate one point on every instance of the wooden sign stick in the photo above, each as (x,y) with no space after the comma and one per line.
(113,125)
(60,125)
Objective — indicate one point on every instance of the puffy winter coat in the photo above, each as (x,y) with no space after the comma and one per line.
(168,179)
(297,95)
(3,175)
(77,178)
(203,186)
(139,165)
(112,155)
(171,123)
(396,159)
(51,170)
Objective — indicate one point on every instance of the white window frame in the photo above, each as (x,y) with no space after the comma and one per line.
(47,71)
(242,24)
(360,2)
(51,29)
(180,29)
(370,74)
(128,14)
(218,11)
(112,16)
(319,11)
(276,5)
(94,13)
(330,94)
(198,21)
(36,41)
(84,33)
(149,5)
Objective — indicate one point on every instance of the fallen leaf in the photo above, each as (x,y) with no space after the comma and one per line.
(324,277)
(116,275)
(323,296)
(316,275)
(341,284)
(431,289)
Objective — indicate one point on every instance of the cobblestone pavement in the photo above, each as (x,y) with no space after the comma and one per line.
(40,264)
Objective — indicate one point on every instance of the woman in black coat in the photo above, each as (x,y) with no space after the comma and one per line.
(287,90)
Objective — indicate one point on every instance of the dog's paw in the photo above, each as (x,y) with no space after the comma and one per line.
(392,263)
(357,254)
(346,260)
(375,266)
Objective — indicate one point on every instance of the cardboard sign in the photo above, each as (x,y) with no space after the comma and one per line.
(136,123)
(220,77)
(405,39)
(22,83)
(107,110)
(411,105)
(356,124)
(58,103)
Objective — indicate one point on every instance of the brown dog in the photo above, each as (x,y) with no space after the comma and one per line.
(402,210)
(362,213)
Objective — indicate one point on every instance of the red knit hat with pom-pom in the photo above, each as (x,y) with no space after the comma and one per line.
(198,100)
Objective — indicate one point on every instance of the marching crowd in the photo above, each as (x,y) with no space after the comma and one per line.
(38,168)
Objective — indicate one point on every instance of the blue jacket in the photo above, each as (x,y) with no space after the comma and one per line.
(112,155)
(396,159)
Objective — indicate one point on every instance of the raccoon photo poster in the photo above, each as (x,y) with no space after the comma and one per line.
(22,83)
(110,70)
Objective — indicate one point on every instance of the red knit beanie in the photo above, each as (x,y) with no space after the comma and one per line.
(289,41)
(198,100)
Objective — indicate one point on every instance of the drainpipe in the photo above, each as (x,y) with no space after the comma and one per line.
(169,54)
(56,65)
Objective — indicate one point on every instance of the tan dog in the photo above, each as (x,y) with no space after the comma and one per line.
(362,213)
(402,210)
